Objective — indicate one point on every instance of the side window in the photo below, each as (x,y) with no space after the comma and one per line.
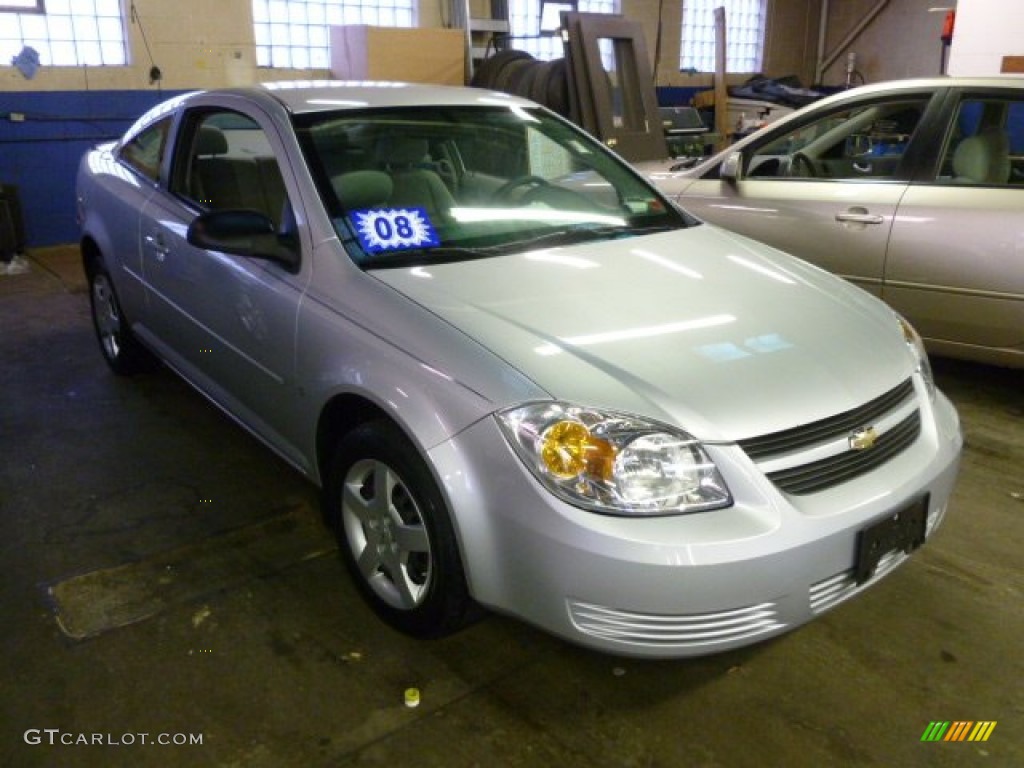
(985,143)
(225,162)
(144,152)
(866,141)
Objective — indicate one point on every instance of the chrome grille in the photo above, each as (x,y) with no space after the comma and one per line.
(798,438)
(828,593)
(825,473)
(817,456)
(699,629)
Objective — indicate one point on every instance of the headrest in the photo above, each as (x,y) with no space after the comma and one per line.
(397,150)
(362,189)
(211,141)
(983,159)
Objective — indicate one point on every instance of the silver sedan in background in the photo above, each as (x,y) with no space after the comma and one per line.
(913,190)
(523,379)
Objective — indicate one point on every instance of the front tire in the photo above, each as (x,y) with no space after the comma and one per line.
(122,351)
(394,532)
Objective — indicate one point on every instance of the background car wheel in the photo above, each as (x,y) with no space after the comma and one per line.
(395,534)
(120,349)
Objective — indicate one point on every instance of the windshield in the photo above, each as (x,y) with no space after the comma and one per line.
(422,185)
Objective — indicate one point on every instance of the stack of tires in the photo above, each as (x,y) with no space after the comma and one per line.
(519,73)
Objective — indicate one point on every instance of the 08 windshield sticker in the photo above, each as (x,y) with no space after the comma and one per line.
(394,229)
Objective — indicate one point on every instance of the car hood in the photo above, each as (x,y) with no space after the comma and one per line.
(702,328)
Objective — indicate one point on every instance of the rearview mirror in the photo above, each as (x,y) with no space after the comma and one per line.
(243,233)
(731,169)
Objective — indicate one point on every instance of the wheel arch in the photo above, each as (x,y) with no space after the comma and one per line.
(345,412)
(339,416)
(91,254)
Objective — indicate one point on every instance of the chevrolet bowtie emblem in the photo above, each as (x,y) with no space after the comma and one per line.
(863,439)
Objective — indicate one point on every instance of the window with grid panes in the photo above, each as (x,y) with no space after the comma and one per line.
(744,35)
(25,6)
(295,33)
(525,25)
(69,33)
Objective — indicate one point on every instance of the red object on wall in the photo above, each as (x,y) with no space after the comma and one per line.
(947,27)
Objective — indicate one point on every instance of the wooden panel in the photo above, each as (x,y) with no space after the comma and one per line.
(427,55)
(619,106)
(721,89)
(1013,65)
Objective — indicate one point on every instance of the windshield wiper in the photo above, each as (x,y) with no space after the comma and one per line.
(420,257)
(582,233)
(446,254)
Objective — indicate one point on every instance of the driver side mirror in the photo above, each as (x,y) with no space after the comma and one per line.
(243,233)
(731,169)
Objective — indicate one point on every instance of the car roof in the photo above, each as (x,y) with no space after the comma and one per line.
(919,84)
(945,81)
(301,97)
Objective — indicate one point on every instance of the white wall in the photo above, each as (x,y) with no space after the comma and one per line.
(986,31)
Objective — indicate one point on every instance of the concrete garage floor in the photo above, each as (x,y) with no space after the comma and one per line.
(209,602)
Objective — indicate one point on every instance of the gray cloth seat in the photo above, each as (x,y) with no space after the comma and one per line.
(415,185)
(362,189)
(222,182)
(982,159)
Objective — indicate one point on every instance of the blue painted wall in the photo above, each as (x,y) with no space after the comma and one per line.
(40,154)
(676,96)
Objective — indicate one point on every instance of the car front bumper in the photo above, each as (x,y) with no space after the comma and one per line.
(685,585)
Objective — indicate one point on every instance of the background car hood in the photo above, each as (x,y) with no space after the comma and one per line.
(699,327)
(671,177)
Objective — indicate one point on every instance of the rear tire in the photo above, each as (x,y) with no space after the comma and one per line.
(394,532)
(122,351)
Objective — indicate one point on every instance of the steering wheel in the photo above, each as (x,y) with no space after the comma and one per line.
(801,165)
(506,189)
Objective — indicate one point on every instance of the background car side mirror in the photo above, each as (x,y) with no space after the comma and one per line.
(731,169)
(243,233)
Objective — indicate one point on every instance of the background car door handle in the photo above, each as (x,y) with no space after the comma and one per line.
(859,217)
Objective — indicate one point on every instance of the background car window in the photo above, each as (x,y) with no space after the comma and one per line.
(226,163)
(985,145)
(145,151)
(866,141)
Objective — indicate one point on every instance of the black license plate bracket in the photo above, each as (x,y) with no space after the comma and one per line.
(904,530)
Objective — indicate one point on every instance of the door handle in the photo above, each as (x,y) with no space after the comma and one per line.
(156,242)
(859,217)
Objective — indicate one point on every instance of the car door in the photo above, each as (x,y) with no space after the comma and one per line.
(824,186)
(956,256)
(226,321)
(127,184)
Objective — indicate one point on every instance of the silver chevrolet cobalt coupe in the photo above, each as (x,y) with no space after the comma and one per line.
(523,378)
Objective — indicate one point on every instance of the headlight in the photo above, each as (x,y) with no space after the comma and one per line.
(614,463)
(924,367)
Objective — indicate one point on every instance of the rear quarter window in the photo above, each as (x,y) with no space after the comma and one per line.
(144,152)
